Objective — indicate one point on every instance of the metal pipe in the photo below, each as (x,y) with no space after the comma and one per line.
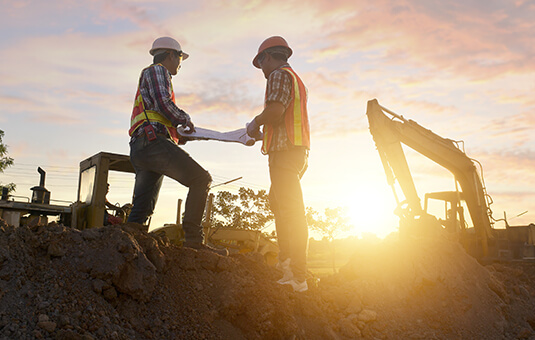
(42,179)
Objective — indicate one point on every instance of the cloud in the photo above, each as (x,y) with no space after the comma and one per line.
(509,169)
(525,99)
(111,10)
(516,127)
(12,101)
(41,111)
(428,107)
(462,69)
(480,42)
(408,34)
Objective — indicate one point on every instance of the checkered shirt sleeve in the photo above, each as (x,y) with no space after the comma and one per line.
(157,91)
(279,89)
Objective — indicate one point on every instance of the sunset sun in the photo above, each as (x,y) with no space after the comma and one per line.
(371,211)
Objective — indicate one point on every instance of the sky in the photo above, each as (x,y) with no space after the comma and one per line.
(463,69)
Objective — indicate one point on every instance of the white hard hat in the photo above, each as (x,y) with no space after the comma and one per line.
(167,43)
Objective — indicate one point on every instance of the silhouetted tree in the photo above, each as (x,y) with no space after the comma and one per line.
(5,162)
(329,225)
(246,210)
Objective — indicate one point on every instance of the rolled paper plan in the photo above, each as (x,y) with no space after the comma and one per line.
(236,136)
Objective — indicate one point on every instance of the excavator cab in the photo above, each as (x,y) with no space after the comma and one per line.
(453,212)
(415,222)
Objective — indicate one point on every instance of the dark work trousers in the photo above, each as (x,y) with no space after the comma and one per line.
(153,160)
(286,201)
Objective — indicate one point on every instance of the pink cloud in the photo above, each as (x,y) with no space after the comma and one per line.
(525,99)
(479,41)
(12,101)
(424,106)
(139,14)
(57,118)
(509,166)
(518,128)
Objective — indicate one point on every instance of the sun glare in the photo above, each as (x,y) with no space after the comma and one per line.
(371,211)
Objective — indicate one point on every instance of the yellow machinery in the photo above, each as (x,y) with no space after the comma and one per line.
(390,131)
(89,209)
(234,239)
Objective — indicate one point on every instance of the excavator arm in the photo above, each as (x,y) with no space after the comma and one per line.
(390,130)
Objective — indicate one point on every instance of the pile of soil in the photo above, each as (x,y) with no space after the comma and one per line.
(120,282)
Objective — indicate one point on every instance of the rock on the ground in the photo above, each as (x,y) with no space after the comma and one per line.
(120,282)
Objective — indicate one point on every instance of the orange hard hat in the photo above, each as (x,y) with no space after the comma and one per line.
(271,42)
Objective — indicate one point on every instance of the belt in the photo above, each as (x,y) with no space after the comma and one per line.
(143,135)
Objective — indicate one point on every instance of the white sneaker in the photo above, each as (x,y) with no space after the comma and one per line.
(297,286)
(287,274)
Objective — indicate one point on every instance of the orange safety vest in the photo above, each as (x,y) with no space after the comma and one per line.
(138,115)
(295,117)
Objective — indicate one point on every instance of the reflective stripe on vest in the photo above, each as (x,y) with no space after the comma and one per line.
(295,117)
(138,116)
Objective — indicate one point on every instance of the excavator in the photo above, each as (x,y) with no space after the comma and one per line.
(390,131)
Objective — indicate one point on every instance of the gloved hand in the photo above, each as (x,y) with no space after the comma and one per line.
(188,127)
(253,130)
(182,140)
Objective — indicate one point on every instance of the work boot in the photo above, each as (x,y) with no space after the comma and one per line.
(287,274)
(201,246)
(297,286)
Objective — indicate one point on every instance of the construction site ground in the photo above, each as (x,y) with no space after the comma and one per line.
(121,282)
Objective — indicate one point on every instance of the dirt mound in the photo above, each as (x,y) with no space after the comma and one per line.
(431,289)
(123,283)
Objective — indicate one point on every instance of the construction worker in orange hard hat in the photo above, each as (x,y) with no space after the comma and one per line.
(286,141)
(154,144)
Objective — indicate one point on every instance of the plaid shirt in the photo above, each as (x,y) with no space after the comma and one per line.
(279,89)
(157,90)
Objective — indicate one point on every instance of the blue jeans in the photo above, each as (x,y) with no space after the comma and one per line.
(286,201)
(153,160)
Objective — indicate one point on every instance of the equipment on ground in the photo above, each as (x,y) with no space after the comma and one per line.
(483,241)
(90,207)
(234,239)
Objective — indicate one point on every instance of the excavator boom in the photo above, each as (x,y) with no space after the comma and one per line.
(390,131)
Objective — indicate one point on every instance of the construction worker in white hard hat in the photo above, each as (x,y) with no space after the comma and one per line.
(286,141)
(154,144)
